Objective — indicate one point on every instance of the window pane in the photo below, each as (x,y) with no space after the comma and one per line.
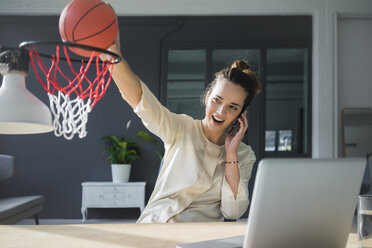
(222,58)
(286,99)
(186,81)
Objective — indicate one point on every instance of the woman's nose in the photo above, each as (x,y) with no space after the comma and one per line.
(221,110)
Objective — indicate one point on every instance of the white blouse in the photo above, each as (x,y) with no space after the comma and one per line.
(191,185)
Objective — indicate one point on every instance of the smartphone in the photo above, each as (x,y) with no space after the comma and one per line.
(233,128)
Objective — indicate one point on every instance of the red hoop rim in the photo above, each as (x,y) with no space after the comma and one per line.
(96,87)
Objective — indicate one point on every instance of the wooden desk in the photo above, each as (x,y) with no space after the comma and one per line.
(121,235)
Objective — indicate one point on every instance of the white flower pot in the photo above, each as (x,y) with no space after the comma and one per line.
(120,172)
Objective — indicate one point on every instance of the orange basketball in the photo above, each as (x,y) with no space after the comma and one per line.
(88,22)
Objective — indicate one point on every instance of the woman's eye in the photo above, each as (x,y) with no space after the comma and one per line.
(216,99)
(233,108)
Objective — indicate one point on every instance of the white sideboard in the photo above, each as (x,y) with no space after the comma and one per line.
(112,195)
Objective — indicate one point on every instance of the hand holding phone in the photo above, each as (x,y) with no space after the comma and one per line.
(233,128)
(235,133)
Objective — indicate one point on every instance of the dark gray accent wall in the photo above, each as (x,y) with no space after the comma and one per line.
(55,167)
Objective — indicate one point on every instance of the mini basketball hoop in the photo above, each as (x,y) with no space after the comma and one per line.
(72,88)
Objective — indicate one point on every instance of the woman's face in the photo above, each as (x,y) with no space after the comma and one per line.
(223,105)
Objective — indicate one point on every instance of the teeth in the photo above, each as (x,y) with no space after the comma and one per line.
(217,119)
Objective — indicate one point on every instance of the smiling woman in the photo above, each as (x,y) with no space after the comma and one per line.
(205,172)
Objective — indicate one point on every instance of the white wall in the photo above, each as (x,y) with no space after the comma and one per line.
(354,65)
(324,12)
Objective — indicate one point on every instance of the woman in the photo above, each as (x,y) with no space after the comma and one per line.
(205,172)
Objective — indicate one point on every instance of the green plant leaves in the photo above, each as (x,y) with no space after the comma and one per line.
(125,151)
(145,136)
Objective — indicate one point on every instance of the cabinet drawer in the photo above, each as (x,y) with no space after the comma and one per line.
(92,196)
(113,196)
(114,188)
(134,195)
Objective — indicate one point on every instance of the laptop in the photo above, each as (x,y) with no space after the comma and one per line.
(299,202)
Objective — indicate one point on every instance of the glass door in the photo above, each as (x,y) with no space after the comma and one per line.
(287,102)
(186,82)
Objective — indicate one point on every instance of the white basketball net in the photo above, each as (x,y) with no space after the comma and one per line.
(69,116)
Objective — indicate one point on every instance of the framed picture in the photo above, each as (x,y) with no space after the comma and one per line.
(270,140)
(285,140)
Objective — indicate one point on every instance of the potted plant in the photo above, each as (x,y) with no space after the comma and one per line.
(123,152)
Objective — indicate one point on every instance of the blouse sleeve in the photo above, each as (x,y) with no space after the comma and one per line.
(231,207)
(157,118)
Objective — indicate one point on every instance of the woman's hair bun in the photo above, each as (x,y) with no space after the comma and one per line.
(240,64)
(244,67)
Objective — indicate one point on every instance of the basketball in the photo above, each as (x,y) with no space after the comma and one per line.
(88,22)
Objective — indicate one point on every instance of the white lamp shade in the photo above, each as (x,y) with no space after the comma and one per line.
(20,111)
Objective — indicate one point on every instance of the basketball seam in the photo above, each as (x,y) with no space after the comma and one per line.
(81,18)
(103,30)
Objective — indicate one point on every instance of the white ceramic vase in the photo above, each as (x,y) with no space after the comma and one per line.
(120,172)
